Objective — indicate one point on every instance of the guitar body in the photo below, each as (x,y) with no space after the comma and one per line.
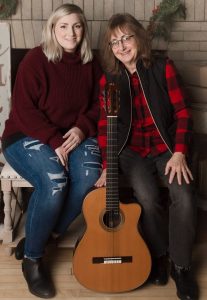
(111,259)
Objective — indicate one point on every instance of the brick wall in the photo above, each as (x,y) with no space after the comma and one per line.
(189,37)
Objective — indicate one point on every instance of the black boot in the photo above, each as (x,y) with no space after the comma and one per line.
(159,271)
(187,288)
(37,279)
(19,250)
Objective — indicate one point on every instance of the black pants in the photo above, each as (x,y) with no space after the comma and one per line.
(173,233)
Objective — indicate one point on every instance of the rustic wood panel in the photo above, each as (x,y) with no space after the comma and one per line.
(118,6)
(139,10)
(56,3)
(98,9)
(37,29)
(129,7)
(88,9)
(96,25)
(46,8)
(13,44)
(79,3)
(149,6)
(101,32)
(108,8)
(26,9)
(37,9)
(66,1)
(89,23)
(18,34)
(28,33)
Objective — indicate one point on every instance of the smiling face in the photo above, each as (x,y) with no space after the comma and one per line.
(69,32)
(124,47)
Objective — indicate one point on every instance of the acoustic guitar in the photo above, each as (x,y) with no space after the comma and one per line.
(111,256)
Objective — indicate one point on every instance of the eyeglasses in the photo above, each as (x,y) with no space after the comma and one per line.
(125,40)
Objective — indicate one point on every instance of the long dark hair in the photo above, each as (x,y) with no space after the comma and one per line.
(126,23)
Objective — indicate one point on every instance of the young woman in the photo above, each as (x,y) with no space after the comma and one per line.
(50,136)
(154,133)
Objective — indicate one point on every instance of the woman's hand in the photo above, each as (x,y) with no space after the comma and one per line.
(102,179)
(62,156)
(177,166)
(73,137)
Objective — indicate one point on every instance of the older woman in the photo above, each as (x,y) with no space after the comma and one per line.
(50,136)
(154,133)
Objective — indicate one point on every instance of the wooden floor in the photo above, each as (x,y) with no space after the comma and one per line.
(59,261)
(13,286)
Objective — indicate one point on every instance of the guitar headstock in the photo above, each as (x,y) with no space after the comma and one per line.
(111,99)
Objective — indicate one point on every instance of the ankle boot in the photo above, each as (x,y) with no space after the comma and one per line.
(19,250)
(38,281)
(160,270)
(187,288)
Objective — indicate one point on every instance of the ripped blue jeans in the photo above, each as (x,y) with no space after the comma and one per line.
(58,194)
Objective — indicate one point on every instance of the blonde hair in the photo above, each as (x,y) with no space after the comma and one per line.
(126,23)
(51,47)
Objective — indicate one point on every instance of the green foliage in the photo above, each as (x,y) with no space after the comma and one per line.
(163,18)
(7,8)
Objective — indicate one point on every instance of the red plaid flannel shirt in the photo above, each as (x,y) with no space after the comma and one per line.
(144,137)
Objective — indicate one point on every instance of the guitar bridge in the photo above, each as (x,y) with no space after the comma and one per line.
(112,260)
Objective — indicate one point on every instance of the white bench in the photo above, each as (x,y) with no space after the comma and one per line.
(13,227)
(11,184)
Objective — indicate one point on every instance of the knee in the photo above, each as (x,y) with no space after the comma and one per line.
(183,197)
(57,184)
(187,207)
(184,204)
(148,199)
(150,206)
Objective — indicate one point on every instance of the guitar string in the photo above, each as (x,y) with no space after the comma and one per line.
(112,190)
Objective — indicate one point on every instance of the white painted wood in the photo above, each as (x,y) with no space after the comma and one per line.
(95,34)
(79,3)
(18,33)
(37,29)
(118,6)
(108,9)
(26,9)
(199,10)
(11,184)
(190,9)
(139,10)
(37,9)
(56,3)
(129,7)
(28,33)
(46,8)
(88,9)
(149,6)
(98,9)
(89,23)
(5,75)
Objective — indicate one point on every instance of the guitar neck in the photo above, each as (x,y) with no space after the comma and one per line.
(112,186)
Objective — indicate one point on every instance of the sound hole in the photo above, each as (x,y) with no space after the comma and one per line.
(112,219)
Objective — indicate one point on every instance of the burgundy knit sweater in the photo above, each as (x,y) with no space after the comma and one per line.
(50,98)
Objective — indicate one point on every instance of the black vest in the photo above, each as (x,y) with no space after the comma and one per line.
(153,81)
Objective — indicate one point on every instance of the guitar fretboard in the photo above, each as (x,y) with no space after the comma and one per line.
(112,186)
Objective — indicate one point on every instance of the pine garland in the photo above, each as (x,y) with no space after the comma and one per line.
(163,18)
(7,8)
